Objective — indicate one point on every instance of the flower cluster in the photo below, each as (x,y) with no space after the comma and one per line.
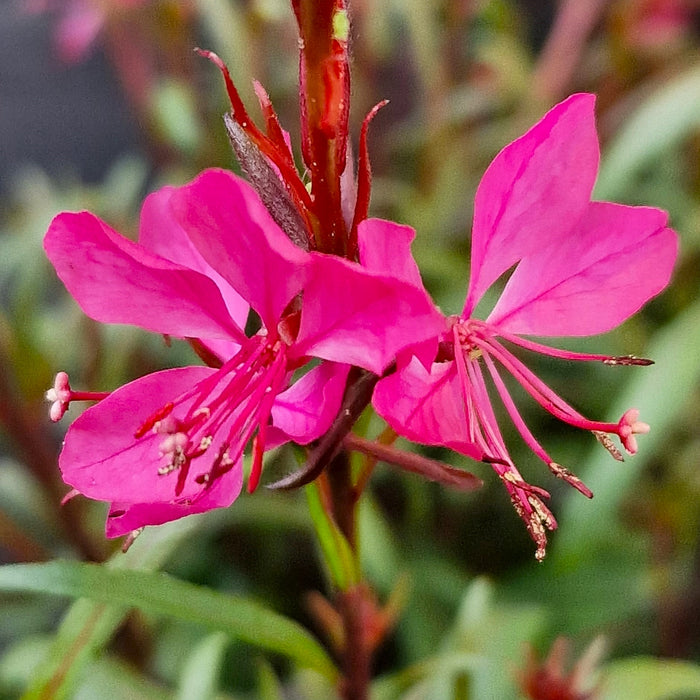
(333,290)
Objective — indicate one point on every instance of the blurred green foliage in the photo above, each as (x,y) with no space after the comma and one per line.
(464,77)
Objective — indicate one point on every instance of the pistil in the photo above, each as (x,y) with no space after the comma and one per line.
(60,396)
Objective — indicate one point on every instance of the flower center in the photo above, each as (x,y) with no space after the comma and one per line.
(219,415)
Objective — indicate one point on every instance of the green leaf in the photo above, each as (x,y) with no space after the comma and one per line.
(175,114)
(669,116)
(487,636)
(200,675)
(646,678)
(336,550)
(88,626)
(160,594)
(268,685)
(657,392)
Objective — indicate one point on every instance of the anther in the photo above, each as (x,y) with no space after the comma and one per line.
(130,538)
(626,360)
(570,478)
(205,443)
(607,443)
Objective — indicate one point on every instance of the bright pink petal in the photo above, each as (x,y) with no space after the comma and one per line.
(161,233)
(306,410)
(426,406)
(124,518)
(610,265)
(385,247)
(533,192)
(354,316)
(115,280)
(102,459)
(236,235)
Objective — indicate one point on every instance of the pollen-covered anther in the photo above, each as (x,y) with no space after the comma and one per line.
(221,465)
(538,534)
(174,447)
(130,539)
(628,427)
(627,360)
(543,513)
(520,483)
(567,475)
(607,443)
(205,443)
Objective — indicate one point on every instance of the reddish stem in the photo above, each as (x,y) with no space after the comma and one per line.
(324,96)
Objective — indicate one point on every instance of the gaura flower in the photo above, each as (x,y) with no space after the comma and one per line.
(581,268)
(170,444)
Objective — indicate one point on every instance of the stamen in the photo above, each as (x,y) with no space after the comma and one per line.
(607,443)
(153,420)
(70,496)
(237,399)
(528,437)
(539,391)
(622,360)
(567,475)
(130,539)
(628,360)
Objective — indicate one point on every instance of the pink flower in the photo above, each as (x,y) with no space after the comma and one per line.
(170,444)
(79,23)
(581,268)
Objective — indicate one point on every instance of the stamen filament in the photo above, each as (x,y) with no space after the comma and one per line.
(539,391)
(542,349)
(513,412)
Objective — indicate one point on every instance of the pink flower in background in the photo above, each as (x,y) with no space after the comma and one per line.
(581,268)
(656,24)
(79,22)
(170,444)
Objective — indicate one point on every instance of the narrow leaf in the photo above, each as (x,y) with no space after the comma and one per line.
(337,553)
(88,626)
(200,675)
(160,594)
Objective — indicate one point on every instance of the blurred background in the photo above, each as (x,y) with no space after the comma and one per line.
(102,101)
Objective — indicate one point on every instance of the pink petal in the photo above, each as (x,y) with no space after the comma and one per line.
(161,233)
(115,280)
(306,410)
(124,518)
(533,192)
(602,272)
(235,234)
(102,459)
(426,406)
(354,316)
(385,247)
